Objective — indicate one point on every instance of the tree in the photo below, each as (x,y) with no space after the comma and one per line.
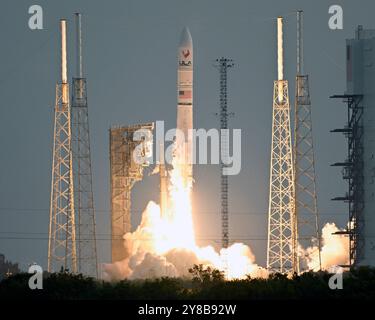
(203,275)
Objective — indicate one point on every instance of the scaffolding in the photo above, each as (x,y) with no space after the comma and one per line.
(125,172)
(352,172)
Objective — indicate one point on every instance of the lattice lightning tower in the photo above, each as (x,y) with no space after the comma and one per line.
(83,192)
(304,167)
(282,232)
(62,241)
(223,64)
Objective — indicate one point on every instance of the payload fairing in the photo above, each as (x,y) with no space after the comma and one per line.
(184,143)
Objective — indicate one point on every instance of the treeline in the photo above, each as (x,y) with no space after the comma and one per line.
(7,268)
(359,284)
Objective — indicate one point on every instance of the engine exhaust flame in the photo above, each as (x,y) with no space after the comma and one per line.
(164,244)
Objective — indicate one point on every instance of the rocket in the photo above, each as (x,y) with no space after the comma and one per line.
(184,140)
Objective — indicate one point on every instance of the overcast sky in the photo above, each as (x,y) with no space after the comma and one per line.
(130,50)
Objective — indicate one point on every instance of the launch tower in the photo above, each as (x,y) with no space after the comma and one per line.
(304,165)
(62,237)
(83,192)
(125,172)
(282,228)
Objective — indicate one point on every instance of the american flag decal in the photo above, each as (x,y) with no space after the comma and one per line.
(184,94)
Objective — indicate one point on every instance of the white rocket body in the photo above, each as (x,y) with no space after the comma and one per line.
(184,144)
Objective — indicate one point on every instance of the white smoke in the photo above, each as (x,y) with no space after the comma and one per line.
(146,258)
(163,245)
(334,250)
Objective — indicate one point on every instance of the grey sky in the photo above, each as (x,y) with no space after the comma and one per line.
(130,50)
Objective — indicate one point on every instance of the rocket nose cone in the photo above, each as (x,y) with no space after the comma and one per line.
(186,40)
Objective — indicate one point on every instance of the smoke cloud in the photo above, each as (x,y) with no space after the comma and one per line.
(148,258)
(152,254)
(334,249)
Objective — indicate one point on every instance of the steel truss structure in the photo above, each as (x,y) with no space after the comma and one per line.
(62,238)
(125,172)
(352,172)
(282,228)
(83,190)
(223,64)
(306,208)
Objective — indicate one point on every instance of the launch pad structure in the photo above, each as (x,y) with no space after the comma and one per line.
(306,208)
(72,234)
(352,172)
(358,166)
(125,172)
(282,227)
(82,170)
(62,229)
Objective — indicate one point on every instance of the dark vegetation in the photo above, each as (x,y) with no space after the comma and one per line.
(7,268)
(205,283)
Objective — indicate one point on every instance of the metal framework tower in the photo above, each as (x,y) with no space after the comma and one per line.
(124,173)
(304,166)
(352,172)
(223,64)
(62,238)
(282,227)
(83,192)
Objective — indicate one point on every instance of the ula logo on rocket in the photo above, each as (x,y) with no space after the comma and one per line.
(185,64)
(186,53)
